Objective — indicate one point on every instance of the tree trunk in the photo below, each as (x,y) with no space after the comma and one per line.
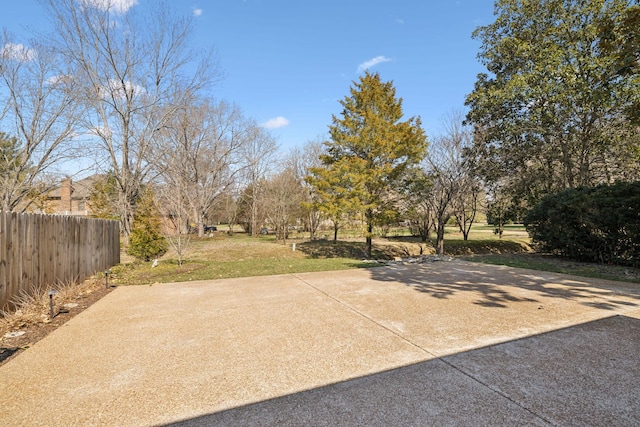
(200,225)
(367,249)
(465,233)
(312,231)
(424,232)
(254,209)
(440,238)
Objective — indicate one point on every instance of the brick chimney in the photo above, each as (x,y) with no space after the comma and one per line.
(65,195)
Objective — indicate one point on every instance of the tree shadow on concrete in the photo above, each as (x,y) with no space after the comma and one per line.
(497,286)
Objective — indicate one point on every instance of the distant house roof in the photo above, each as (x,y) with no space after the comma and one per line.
(81,190)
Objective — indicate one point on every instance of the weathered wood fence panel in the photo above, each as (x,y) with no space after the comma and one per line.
(41,250)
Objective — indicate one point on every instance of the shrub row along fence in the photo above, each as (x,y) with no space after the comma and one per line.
(42,250)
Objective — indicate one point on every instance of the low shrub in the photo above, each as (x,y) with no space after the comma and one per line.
(596,224)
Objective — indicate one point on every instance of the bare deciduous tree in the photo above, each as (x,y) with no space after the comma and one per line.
(39,116)
(283,197)
(200,154)
(258,155)
(416,202)
(453,191)
(227,208)
(466,199)
(173,206)
(132,73)
(301,161)
(446,181)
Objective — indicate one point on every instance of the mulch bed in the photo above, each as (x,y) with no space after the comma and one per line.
(35,330)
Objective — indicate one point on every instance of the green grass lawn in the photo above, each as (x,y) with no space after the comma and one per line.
(224,256)
(545,262)
(233,256)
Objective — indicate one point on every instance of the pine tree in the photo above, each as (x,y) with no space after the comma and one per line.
(331,189)
(146,240)
(371,147)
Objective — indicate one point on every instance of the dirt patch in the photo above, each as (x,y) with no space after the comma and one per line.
(21,330)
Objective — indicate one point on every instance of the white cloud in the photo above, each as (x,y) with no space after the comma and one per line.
(278,122)
(372,62)
(117,6)
(197,12)
(17,52)
(121,90)
(399,21)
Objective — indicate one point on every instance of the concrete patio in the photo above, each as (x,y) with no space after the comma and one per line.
(446,343)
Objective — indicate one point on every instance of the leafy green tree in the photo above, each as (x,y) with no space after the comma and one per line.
(372,147)
(10,155)
(620,35)
(146,240)
(332,188)
(549,114)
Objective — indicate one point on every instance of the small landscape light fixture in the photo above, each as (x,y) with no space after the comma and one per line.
(106,278)
(51,294)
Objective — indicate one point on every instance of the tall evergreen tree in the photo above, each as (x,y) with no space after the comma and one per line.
(371,146)
(146,240)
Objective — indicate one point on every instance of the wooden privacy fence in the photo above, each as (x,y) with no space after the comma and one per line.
(41,250)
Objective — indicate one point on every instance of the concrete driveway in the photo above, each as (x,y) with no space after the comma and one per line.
(446,343)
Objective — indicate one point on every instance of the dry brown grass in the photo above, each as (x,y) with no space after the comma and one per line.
(30,320)
(32,305)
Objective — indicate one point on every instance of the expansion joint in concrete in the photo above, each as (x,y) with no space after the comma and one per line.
(369,318)
(426,351)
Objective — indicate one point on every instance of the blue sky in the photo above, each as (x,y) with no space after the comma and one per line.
(287,63)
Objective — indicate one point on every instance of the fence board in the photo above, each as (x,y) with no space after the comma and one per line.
(43,250)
